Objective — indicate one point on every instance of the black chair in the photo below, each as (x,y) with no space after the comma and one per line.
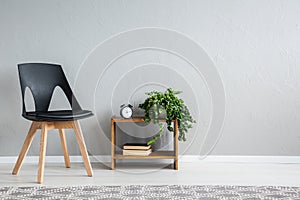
(42,79)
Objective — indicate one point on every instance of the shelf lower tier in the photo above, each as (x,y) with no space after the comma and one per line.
(153,155)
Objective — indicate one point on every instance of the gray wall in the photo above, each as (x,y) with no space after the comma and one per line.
(253,45)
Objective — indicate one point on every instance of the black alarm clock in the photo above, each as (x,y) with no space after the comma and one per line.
(126,111)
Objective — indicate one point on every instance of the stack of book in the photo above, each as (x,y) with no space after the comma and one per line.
(135,149)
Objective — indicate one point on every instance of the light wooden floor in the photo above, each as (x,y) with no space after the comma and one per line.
(138,173)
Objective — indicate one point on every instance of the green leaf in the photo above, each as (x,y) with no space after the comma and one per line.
(172,106)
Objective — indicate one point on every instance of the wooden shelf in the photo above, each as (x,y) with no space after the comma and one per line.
(133,119)
(153,155)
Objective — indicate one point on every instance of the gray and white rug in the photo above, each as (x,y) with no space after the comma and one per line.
(207,192)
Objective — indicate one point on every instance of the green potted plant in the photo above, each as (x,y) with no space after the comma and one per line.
(169,106)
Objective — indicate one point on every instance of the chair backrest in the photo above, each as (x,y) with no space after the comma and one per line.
(41,79)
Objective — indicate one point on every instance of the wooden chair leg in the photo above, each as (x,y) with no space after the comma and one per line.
(82,148)
(43,146)
(25,147)
(64,147)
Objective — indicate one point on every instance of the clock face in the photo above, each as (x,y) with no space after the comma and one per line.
(126,112)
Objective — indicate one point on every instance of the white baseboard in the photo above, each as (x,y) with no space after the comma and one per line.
(242,159)
(183,159)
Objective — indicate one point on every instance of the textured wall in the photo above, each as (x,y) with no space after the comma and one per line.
(254,45)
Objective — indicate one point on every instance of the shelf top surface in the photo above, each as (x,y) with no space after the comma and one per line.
(133,119)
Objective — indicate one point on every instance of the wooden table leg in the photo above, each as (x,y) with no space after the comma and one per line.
(112,144)
(176,144)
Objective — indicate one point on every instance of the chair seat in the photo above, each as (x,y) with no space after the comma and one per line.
(58,115)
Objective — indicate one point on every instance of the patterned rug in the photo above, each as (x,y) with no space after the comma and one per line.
(207,192)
